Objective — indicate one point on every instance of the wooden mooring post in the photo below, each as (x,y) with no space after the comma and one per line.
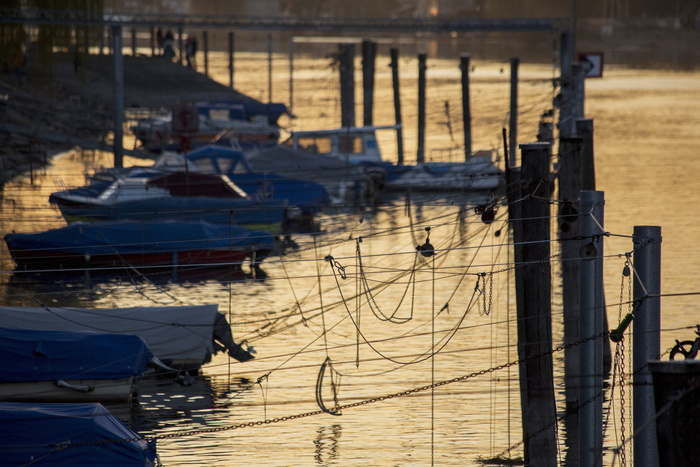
(531,235)
(569,223)
(591,327)
(230,59)
(466,106)
(647,343)
(513,123)
(420,154)
(118,60)
(369,55)
(346,59)
(394,52)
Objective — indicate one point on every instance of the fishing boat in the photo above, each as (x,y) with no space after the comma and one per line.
(60,366)
(360,146)
(139,243)
(251,123)
(70,434)
(181,195)
(182,337)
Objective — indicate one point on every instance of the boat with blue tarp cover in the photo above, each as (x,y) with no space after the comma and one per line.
(56,366)
(70,434)
(132,243)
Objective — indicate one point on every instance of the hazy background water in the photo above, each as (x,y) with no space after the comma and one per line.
(646,133)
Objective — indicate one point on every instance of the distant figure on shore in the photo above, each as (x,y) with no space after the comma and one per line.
(169,45)
(191,51)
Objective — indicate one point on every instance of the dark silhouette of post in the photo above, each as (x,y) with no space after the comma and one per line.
(533,290)
(118,60)
(394,52)
(420,155)
(230,59)
(466,106)
(347,84)
(369,54)
(513,124)
(205,44)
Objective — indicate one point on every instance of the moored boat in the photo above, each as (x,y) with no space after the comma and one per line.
(133,243)
(147,194)
(70,434)
(182,337)
(360,146)
(251,123)
(60,366)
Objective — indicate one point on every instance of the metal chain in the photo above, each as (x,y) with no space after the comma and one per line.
(621,352)
(361,403)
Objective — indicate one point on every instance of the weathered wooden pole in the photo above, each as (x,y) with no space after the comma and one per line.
(291,73)
(205,45)
(347,84)
(584,129)
(569,230)
(513,124)
(230,59)
(369,55)
(466,105)
(515,222)
(420,154)
(118,60)
(269,67)
(591,327)
(646,342)
(153,41)
(394,52)
(181,44)
(533,273)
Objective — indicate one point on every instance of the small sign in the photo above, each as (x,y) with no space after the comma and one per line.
(185,118)
(592,64)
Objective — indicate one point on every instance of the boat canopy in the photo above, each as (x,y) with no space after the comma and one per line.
(180,336)
(31,355)
(69,434)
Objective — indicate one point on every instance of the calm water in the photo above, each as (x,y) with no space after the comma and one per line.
(424,320)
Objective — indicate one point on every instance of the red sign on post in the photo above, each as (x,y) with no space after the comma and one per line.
(185,118)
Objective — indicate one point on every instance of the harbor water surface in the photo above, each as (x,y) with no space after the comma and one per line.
(357,303)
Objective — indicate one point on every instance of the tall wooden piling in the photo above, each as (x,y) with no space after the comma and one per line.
(369,54)
(347,84)
(118,60)
(466,105)
(181,44)
(205,46)
(394,52)
(269,66)
(513,124)
(291,74)
(420,154)
(647,340)
(533,290)
(154,41)
(569,224)
(230,59)
(591,328)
